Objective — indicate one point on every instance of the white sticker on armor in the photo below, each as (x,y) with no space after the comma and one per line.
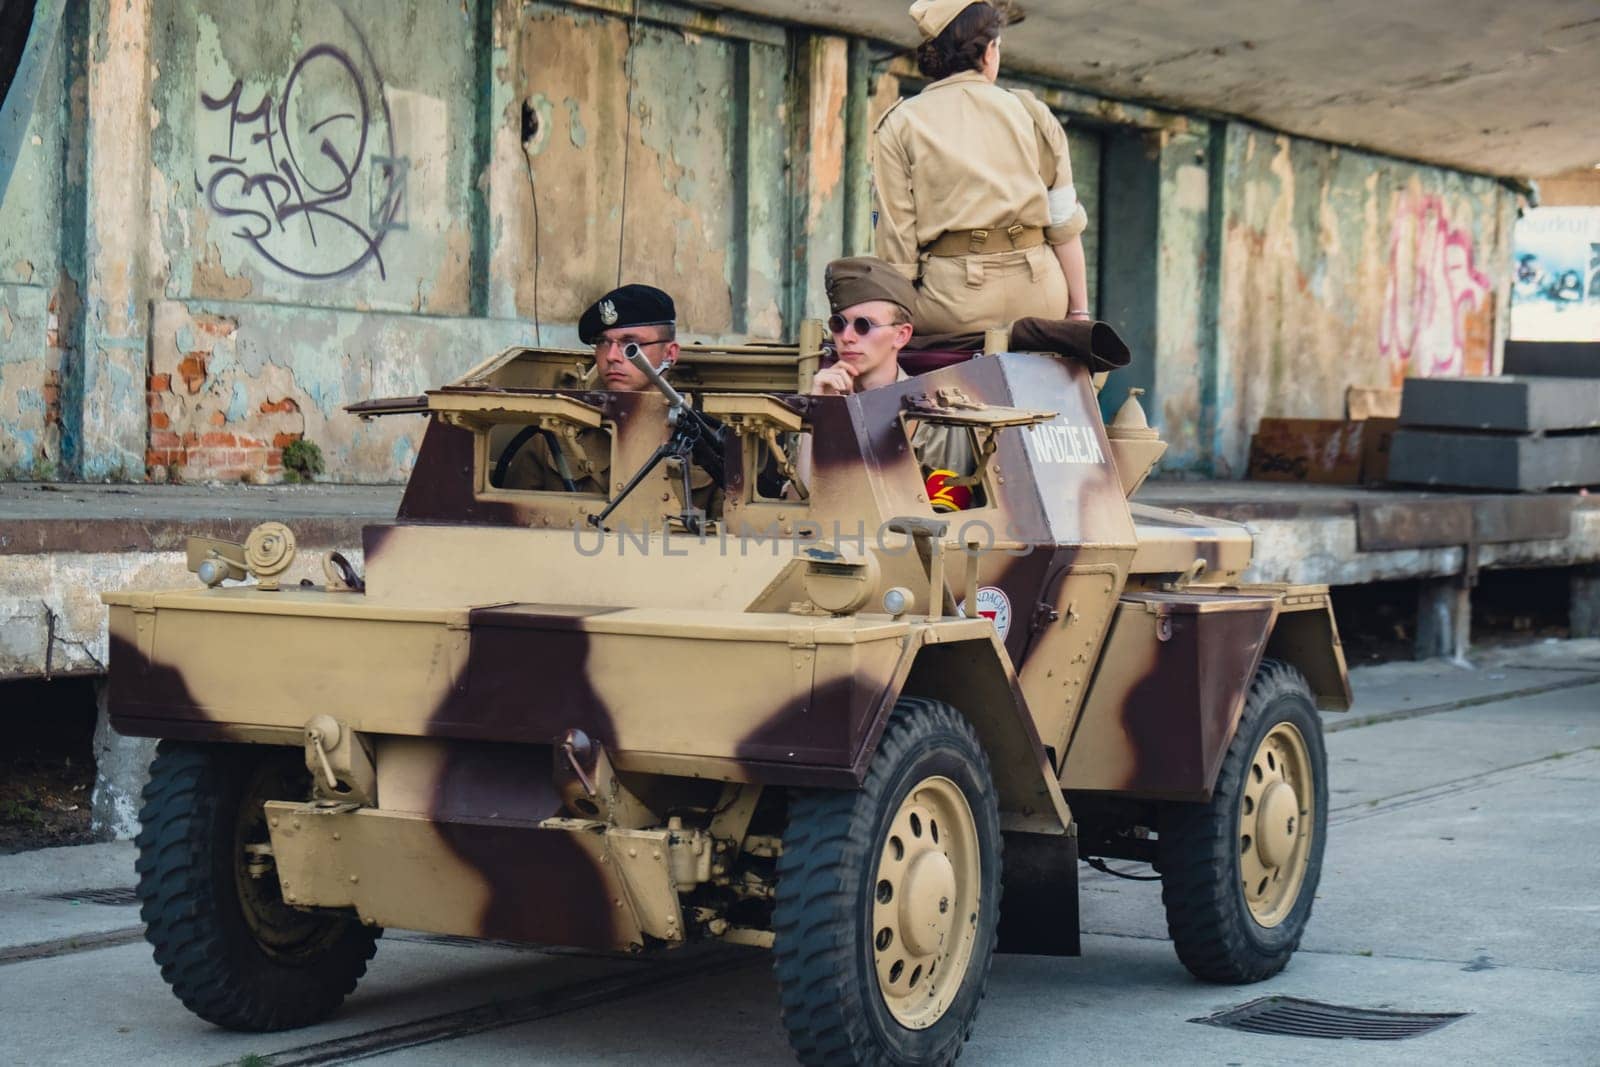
(994,605)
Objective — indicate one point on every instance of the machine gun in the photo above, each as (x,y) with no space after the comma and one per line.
(695,440)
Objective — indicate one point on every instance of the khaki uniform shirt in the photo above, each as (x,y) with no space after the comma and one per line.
(589,463)
(965,154)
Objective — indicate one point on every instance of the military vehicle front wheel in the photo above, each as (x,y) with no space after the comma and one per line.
(227,944)
(888,899)
(1238,875)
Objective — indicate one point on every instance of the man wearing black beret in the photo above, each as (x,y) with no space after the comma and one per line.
(633,314)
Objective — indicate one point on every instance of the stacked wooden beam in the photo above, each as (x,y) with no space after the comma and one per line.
(1512,433)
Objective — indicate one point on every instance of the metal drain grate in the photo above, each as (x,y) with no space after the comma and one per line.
(114,897)
(1293,1017)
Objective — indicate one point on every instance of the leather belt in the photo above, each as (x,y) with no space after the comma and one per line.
(985,242)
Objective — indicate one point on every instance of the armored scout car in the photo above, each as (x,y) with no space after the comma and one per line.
(830,719)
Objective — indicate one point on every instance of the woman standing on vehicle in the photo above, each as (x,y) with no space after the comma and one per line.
(974,186)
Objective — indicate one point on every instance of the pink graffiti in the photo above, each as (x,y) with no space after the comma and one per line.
(1433,283)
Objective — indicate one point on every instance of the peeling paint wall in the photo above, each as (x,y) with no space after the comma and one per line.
(38,286)
(298,205)
(232,383)
(313,154)
(679,155)
(1341,268)
(112,424)
(1186,291)
(312,177)
(234,220)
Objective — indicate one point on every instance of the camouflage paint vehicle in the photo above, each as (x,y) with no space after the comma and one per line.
(836,723)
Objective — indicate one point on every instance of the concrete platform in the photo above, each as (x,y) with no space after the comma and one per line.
(1314,533)
(60,545)
(1351,535)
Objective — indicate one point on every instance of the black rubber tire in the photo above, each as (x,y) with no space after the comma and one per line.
(822,952)
(1208,919)
(193,909)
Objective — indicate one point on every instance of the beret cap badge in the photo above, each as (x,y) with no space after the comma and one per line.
(626,307)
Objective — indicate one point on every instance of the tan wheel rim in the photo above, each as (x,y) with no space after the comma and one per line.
(925,903)
(1276,821)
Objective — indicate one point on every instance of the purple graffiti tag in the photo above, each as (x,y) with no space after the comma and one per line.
(288,174)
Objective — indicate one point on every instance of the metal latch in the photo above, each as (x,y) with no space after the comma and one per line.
(588,784)
(340,763)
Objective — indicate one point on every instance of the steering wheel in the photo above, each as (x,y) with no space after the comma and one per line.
(519,442)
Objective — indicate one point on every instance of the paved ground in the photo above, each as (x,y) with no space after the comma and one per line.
(1462,874)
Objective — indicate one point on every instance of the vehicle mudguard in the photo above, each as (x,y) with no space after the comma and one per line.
(1172,680)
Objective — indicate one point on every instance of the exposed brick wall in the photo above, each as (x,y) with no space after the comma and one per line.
(199,428)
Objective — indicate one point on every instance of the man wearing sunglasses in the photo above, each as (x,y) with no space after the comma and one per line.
(634,314)
(871,323)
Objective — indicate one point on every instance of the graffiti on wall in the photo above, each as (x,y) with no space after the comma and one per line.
(310,180)
(1438,303)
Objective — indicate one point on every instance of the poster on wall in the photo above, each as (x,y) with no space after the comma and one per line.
(1555,286)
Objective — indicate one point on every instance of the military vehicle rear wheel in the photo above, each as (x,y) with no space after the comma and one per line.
(229,947)
(1238,875)
(888,898)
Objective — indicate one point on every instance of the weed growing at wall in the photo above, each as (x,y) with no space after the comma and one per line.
(302,461)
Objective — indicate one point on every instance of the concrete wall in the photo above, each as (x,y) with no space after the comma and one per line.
(1320,267)
(232,221)
(284,208)
(1337,268)
(41,273)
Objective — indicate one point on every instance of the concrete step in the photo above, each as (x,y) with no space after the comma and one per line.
(1517,463)
(1511,404)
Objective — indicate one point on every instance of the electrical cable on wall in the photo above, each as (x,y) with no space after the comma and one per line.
(530,130)
(627,140)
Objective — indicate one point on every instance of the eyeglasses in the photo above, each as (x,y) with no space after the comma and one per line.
(606,344)
(861,324)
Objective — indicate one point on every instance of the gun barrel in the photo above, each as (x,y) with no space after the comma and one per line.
(706,434)
(636,356)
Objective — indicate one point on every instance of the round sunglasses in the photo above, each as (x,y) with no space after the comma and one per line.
(862,324)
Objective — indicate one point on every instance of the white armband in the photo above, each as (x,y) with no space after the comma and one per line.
(1063,204)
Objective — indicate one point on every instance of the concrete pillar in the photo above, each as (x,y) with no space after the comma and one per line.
(1444,620)
(1584,618)
(1130,266)
(122,767)
(114,415)
(509,199)
(819,178)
